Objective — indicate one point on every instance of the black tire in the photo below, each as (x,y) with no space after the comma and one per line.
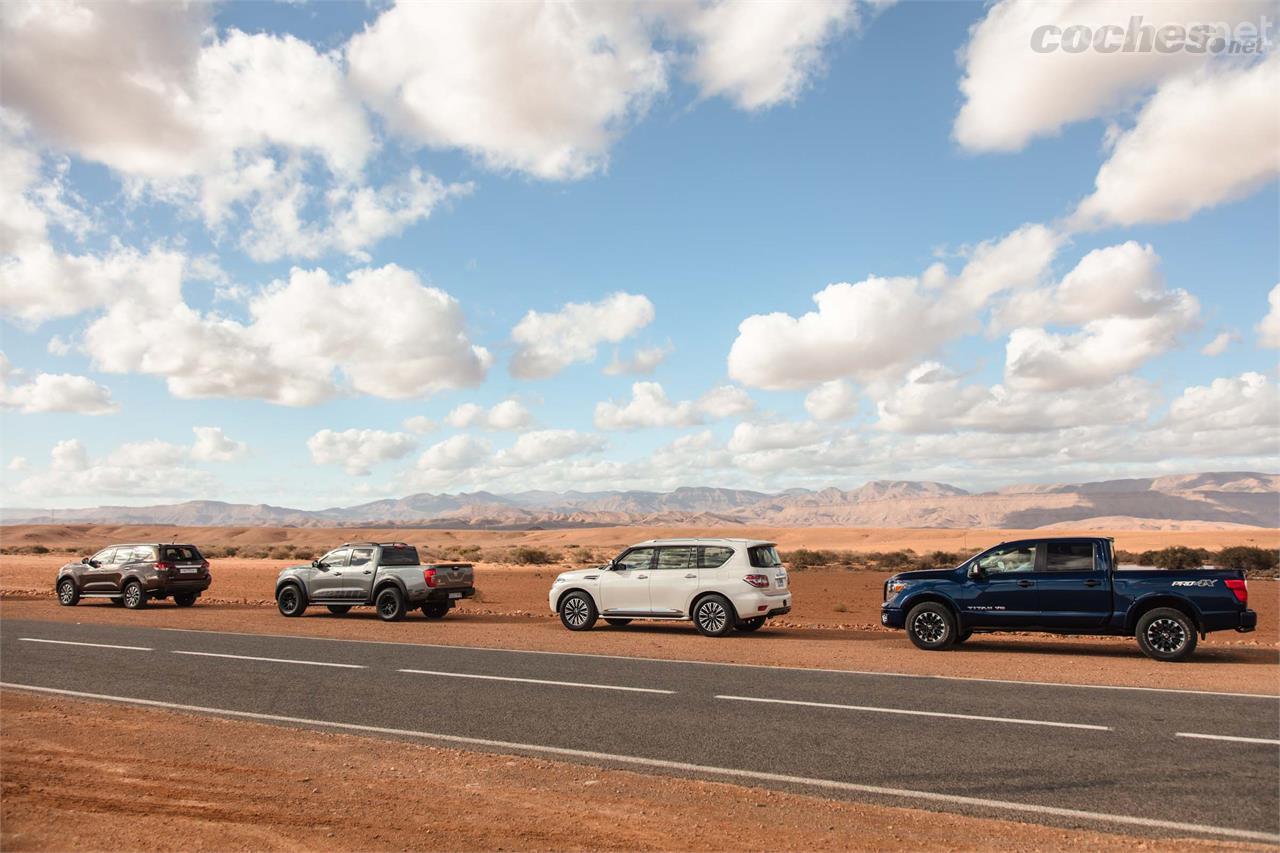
(339,609)
(714,616)
(435,611)
(185,599)
(290,601)
(931,626)
(1166,634)
(578,612)
(135,597)
(68,595)
(390,604)
(749,625)
(118,601)
(962,636)
(618,623)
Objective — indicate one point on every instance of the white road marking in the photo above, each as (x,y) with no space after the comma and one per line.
(94,645)
(722,772)
(879,710)
(273,660)
(866,672)
(536,681)
(1230,737)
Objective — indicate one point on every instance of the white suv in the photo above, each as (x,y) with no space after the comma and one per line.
(720,584)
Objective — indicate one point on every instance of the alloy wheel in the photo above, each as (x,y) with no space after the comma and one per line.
(1166,635)
(132,595)
(712,616)
(929,627)
(575,612)
(66,592)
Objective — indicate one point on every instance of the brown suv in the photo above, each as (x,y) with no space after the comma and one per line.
(130,575)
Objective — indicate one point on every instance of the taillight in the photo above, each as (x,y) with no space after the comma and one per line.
(1241,589)
(204,564)
(758,581)
(429,575)
(163,566)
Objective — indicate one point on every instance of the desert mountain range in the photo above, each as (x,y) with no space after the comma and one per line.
(1184,501)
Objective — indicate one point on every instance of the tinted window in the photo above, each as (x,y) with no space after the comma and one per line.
(637,558)
(764,556)
(684,557)
(1070,557)
(336,558)
(1015,558)
(103,557)
(361,556)
(713,557)
(180,554)
(144,554)
(123,555)
(397,555)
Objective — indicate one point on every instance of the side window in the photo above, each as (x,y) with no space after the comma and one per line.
(1016,558)
(144,554)
(361,556)
(1070,557)
(713,556)
(337,558)
(636,558)
(123,555)
(764,557)
(683,557)
(103,557)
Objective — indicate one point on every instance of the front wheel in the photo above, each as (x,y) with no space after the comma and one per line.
(1166,634)
(134,597)
(713,616)
(435,611)
(339,609)
(185,599)
(68,595)
(931,626)
(578,611)
(749,625)
(289,600)
(390,604)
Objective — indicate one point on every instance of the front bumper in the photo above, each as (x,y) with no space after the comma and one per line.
(1248,621)
(892,617)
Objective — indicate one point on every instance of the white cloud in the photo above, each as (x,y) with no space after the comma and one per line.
(420,424)
(18,464)
(725,401)
(548,343)
(642,362)
(542,88)
(758,55)
(213,445)
(455,453)
(1013,94)
(358,450)
(507,415)
(1219,344)
(879,325)
(53,392)
(650,407)
(1269,328)
(1202,140)
(1247,400)
(783,435)
(835,400)
(548,445)
(58,346)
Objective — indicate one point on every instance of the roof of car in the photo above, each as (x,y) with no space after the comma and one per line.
(376,544)
(706,540)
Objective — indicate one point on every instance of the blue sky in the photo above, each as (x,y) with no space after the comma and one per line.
(193,306)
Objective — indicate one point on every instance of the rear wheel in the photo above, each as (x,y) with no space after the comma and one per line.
(713,616)
(618,623)
(289,600)
(435,611)
(184,599)
(68,595)
(1166,634)
(931,626)
(578,611)
(751,624)
(339,609)
(134,597)
(390,604)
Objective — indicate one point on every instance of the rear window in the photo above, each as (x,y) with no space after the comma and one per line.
(1070,557)
(399,555)
(713,557)
(180,554)
(764,556)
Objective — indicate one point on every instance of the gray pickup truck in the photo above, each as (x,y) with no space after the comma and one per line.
(387,575)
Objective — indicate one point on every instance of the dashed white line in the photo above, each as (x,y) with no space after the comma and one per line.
(1229,737)
(94,645)
(721,772)
(537,681)
(879,710)
(273,660)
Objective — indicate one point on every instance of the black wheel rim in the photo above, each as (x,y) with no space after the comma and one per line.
(712,616)
(288,600)
(387,604)
(575,612)
(1166,635)
(929,627)
(66,592)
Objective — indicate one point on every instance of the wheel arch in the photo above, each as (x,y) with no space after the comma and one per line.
(707,593)
(937,598)
(560,599)
(294,582)
(1144,605)
(383,583)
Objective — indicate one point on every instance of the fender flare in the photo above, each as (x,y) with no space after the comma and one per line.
(560,598)
(933,595)
(1162,598)
(390,580)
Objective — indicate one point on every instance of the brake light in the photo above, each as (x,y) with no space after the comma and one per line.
(163,566)
(429,575)
(758,581)
(1241,589)
(204,564)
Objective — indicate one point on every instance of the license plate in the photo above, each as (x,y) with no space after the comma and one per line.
(455,595)
(782,582)
(187,571)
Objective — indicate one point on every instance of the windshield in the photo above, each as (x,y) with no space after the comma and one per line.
(399,555)
(764,557)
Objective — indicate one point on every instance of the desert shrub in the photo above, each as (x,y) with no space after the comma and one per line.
(939,560)
(841,608)
(803,558)
(527,556)
(304,553)
(39,549)
(1254,560)
(1179,557)
(230,550)
(895,559)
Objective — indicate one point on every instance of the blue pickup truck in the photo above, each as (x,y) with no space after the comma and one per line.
(1067,586)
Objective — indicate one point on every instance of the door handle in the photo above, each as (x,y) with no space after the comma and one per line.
(336,574)
(1025,583)
(1092,583)
(641,577)
(367,572)
(691,575)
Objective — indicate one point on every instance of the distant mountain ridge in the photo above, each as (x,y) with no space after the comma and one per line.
(1185,500)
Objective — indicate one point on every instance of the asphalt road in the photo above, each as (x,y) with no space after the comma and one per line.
(1142,762)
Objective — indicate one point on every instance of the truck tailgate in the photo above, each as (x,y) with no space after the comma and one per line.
(452,575)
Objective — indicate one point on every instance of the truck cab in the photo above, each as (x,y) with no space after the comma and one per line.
(1067,585)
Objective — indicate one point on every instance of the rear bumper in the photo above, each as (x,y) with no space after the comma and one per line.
(165,587)
(1248,621)
(438,596)
(751,603)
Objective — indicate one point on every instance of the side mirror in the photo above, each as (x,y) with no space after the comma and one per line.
(975,572)
(84,561)
(315,564)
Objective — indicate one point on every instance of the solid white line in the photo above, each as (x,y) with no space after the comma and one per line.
(95,645)
(536,681)
(878,710)
(1229,737)
(273,660)
(724,772)
(740,665)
